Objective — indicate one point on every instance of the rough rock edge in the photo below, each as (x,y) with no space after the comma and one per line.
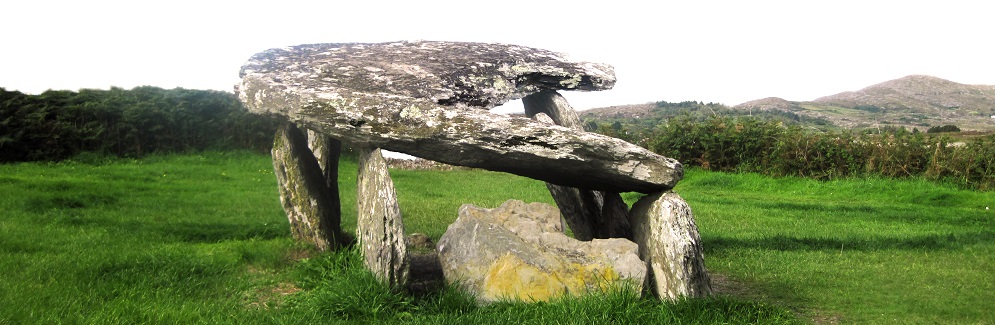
(513,228)
(669,244)
(379,228)
(405,117)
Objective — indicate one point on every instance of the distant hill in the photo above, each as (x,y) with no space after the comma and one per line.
(912,101)
(919,93)
(621,111)
(770,104)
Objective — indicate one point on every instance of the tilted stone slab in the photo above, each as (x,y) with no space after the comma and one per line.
(311,207)
(379,228)
(430,99)
(664,228)
(590,214)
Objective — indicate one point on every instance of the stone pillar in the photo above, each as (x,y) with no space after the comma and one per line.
(312,211)
(379,228)
(326,151)
(590,214)
(664,228)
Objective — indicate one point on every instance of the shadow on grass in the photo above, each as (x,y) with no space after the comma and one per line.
(179,231)
(792,243)
(214,232)
(814,207)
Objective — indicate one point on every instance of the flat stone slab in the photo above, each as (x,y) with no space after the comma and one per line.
(430,99)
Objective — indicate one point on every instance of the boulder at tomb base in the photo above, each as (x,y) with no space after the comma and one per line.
(518,252)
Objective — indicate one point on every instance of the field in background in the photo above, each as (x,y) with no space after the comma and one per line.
(202,238)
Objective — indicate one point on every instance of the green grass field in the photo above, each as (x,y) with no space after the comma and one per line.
(202,239)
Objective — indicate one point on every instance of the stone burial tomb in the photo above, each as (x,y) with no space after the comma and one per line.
(432,100)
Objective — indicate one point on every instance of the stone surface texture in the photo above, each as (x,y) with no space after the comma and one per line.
(312,212)
(518,252)
(430,99)
(589,213)
(379,228)
(669,243)
(327,151)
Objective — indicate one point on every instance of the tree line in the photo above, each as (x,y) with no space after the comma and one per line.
(60,124)
(773,147)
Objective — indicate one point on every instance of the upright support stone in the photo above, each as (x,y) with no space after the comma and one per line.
(312,211)
(590,214)
(379,228)
(664,228)
(326,151)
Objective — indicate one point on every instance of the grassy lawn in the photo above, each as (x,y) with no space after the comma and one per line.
(864,250)
(202,239)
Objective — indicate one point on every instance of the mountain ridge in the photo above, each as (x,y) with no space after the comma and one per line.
(914,101)
(917,92)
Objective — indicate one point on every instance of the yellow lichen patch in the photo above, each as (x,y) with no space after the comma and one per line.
(509,277)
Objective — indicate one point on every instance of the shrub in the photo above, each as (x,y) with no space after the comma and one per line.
(817,155)
(942,129)
(727,143)
(717,143)
(56,125)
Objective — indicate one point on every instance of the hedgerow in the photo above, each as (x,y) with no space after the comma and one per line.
(729,143)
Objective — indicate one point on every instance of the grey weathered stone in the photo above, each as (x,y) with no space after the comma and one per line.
(429,99)
(312,211)
(552,104)
(590,213)
(326,151)
(518,251)
(664,228)
(379,228)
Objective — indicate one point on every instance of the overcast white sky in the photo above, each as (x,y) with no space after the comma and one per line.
(713,51)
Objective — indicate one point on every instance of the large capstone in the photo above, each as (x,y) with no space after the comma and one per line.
(431,100)
(664,227)
(379,228)
(518,252)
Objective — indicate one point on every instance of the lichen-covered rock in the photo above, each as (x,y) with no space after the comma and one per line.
(313,212)
(443,73)
(379,228)
(518,252)
(590,213)
(664,227)
(429,99)
(327,151)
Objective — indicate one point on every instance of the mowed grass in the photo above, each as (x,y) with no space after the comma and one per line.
(202,239)
(861,250)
